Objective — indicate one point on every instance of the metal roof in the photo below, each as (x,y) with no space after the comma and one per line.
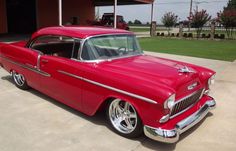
(121,2)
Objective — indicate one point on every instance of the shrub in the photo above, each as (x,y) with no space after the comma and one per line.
(222,36)
(190,35)
(208,36)
(185,35)
(203,35)
(216,36)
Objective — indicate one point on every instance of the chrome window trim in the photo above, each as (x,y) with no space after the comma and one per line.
(38,62)
(82,42)
(108,87)
(202,93)
(102,60)
(27,66)
(31,41)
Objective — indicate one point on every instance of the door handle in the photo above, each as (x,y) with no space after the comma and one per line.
(44,61)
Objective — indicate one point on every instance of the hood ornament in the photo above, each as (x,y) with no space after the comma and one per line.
(185,69)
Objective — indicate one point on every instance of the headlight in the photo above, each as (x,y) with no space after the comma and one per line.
(211,80)
(170,102)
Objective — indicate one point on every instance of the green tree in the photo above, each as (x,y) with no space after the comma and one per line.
(137,22)
(169,19)
(130,22)
(228,18)
(199,19)
(231,5)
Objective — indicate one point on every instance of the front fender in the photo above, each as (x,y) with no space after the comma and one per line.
(148,112)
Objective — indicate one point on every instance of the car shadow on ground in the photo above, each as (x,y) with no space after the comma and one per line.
(99,119)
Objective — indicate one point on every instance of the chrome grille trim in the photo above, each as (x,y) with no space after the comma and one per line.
(186,103)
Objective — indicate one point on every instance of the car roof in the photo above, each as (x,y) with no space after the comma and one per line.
(81,32)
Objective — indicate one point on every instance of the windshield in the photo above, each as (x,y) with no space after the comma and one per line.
(109,47)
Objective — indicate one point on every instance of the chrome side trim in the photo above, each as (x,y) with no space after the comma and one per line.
(27,66)
(108,87)
(69,74)
(172,135)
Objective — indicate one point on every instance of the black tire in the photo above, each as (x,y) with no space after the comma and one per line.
(19,81)
(137,126)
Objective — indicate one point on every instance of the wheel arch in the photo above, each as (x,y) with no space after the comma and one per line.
(131,100)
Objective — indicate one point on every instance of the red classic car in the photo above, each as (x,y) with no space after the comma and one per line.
(91,69)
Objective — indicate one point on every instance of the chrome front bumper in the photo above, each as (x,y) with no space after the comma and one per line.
(172,135)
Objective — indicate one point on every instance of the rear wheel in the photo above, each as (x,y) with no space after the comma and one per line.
(19,80)
(124,119)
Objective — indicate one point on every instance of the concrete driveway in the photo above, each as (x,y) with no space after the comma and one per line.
(31,121)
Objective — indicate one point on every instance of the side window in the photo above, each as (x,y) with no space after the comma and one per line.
(59,46)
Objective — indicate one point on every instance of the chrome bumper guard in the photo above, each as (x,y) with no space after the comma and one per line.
(172,135)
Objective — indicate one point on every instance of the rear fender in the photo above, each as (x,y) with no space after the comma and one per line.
(1,45)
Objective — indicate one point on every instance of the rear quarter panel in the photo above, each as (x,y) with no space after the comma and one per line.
(16,57)
(1,53)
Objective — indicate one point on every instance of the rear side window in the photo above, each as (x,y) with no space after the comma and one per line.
(58,46)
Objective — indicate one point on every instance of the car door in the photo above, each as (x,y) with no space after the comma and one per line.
(57,61)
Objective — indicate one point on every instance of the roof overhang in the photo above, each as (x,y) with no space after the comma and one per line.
(121,2)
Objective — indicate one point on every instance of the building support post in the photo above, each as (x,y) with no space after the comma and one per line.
(181,26)
(115,9)
(152,11)
(190,14)
(213,27)
(152,24)
(60,12)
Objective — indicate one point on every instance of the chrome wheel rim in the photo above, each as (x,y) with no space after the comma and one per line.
(18,78)
(123,116)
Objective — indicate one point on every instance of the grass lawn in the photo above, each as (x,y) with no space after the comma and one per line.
(219,50)
(139,29)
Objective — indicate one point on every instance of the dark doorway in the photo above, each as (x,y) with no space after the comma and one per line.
(21,16)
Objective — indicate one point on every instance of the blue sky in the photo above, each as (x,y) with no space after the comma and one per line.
(179,7)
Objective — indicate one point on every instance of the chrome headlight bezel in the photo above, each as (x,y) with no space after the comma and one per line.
(170,102)
(211,80)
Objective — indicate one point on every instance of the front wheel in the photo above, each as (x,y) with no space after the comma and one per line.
(124,119)
(19,80)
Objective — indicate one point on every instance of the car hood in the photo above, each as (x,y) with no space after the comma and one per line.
(154,70)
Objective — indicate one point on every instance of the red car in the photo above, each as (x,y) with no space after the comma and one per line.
(91,69)
(108,21)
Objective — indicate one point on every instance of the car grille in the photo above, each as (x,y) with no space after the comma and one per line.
(186,102)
